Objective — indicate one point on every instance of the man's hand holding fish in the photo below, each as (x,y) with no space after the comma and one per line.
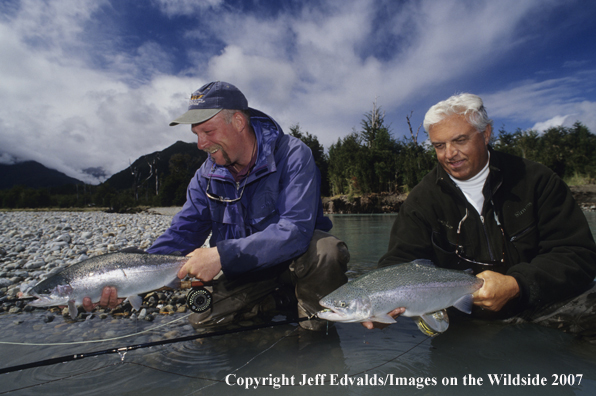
(496,291)
(204,264)
(109,299)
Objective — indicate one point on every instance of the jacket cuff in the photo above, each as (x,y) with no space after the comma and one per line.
(521,302)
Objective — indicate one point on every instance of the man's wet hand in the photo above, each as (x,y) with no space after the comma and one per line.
(497,290)
(109,299)
(204,264)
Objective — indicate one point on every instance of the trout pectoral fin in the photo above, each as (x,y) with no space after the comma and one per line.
(465,303)
(382,319)
(72,309)
(433,323)
(136,302)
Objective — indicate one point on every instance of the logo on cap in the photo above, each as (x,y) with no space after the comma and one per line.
(196,100)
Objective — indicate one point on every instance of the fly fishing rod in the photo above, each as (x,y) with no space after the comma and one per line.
(79,356)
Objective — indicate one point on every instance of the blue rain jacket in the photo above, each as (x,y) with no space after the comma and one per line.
(272,223)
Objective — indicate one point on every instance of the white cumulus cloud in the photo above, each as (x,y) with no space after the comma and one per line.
(80,91)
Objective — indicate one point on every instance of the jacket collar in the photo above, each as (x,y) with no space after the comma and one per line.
(496,175)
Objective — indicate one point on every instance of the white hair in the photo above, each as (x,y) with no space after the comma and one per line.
(466,104)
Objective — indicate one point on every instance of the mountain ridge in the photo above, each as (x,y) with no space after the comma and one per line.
(33,174)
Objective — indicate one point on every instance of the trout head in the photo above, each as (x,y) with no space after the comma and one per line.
(354,306)
(58,295)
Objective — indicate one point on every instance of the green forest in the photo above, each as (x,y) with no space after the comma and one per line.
(371,160)
(368,160)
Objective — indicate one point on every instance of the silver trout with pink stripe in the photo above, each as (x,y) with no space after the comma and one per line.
(420,287)
(131,273)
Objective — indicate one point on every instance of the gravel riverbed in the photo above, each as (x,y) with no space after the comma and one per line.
(34,245)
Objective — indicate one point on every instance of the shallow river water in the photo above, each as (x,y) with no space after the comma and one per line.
(473,357)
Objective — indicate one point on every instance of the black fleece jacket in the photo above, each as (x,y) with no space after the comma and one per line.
(529,219)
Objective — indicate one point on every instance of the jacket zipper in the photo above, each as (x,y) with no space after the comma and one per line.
(521,234)
(490,250)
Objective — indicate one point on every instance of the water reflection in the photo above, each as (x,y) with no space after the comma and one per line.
(367,237)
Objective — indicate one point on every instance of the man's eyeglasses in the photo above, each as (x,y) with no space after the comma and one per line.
(459,247)
(220,198)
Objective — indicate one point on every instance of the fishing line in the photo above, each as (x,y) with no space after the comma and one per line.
(94,341)
(121,350)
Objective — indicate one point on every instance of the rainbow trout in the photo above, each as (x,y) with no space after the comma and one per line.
(423,289)
(131,273)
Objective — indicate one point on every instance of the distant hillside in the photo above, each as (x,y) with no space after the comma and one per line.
(159,160)
(32,174)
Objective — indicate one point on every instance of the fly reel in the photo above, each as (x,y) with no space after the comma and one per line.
(199,299)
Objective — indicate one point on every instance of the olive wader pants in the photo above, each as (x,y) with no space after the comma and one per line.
(307,279)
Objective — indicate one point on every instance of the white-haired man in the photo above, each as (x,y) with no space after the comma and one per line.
(512,221)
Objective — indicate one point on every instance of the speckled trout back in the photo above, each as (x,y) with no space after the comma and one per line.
(420,288)
(131,273)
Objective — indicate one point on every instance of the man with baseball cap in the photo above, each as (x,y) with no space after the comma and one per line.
(258,196)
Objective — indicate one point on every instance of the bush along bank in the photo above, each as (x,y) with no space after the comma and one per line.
(366,203)
(390,203)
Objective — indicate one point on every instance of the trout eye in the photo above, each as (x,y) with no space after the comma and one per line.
(342,304)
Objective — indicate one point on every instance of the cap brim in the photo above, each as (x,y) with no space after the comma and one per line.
(195,116)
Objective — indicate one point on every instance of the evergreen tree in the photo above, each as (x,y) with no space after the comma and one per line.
(318,152)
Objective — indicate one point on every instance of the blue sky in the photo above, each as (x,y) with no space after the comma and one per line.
(95,83)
